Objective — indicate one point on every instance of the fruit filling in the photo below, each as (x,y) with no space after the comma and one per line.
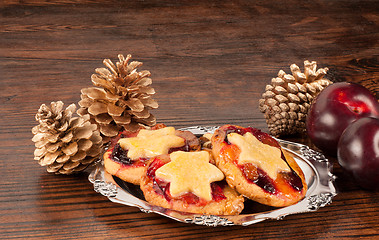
(162,187)
(293,180)
(258,176)
(121,156)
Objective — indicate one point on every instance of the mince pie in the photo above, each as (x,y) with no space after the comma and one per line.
(189,182)
(257,167)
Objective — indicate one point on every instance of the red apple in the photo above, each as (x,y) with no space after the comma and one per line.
(334,109)
(358,152)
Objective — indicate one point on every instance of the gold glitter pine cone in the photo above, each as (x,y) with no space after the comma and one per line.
(65,144)
(286,101)
(121,98)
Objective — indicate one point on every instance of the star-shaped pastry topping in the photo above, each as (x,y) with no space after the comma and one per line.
(267,157)
(190,172)
(150,143)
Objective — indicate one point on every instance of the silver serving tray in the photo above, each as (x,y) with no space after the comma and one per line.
(316,168)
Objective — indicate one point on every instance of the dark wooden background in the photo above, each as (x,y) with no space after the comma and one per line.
(209,60)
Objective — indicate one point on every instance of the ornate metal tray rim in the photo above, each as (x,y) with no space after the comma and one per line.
(320,192)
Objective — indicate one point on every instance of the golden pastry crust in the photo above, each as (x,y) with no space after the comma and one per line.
(128,173)
(249,180)
(132,171)
(225,201)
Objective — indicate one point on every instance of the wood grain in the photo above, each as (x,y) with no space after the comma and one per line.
(210,61)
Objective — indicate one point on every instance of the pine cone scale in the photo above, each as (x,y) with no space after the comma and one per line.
(114,110)
(101,82)
(84,144)
(80,155)
(49,158)
(97,108)
(94,93)
(85,131)
(121,120)
(104,119)
(67,138)
(109,130)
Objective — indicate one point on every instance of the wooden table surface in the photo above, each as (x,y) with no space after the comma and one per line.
(210,62)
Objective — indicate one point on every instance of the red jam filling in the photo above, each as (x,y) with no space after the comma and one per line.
(258,176)
(161,187)
(120,155)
